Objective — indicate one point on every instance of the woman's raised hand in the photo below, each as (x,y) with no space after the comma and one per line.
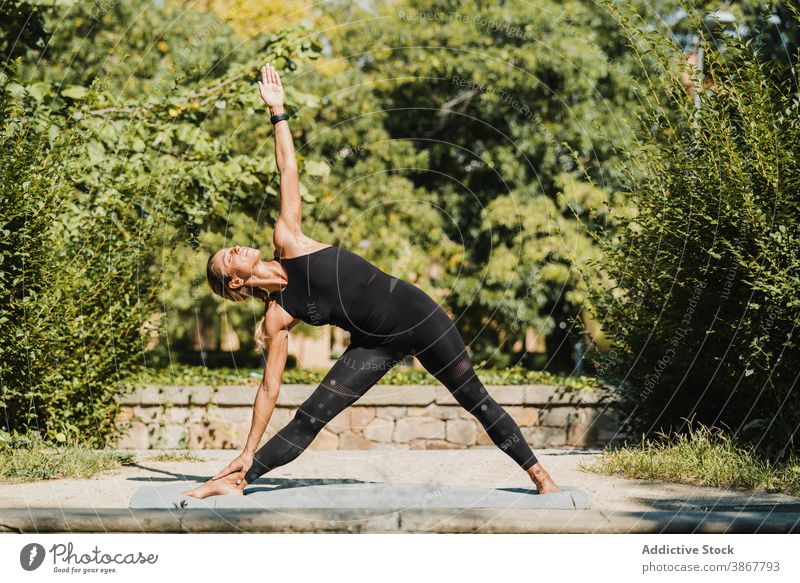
(270,86)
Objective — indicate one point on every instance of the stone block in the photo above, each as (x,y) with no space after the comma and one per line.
(136,436)
(171,437)
(399,395)
(339,423)
(352,440)
(417,411)
(279,419)
(482,437)
(410,428)
(379,430)
(444,411)
(508,395)
(558,416)
(125,415)
(239,432)
(525,416)
(461,431)
(196,415)
(146,414)
(504,395)
(543,437)
(197,437)
(243,395)
(391,412)
(582,435)
(607,420)
(236,414)
(361,416)
(293,395)
(544,395)
(220,435)
(325,441)
(539,394)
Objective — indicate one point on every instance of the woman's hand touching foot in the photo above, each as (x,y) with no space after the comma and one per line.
(225,486)
(544,483)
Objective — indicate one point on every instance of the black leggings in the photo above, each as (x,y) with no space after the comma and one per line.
(439,348)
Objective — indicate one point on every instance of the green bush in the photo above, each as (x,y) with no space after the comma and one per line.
(72,284)
(111,164)
(706,294)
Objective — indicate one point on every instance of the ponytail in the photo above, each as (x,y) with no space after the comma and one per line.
(260,334)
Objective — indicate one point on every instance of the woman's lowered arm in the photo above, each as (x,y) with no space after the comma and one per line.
(272,93)
(279,322)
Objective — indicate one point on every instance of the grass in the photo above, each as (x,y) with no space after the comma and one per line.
(30,458)
(185,455)
(703,457)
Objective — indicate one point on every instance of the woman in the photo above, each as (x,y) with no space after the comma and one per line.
(387,318)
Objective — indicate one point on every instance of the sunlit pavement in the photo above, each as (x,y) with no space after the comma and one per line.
(102,504)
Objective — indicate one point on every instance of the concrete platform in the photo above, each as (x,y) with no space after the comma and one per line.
(349,494)
(618,505)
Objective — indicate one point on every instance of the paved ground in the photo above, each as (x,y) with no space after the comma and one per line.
(617,504)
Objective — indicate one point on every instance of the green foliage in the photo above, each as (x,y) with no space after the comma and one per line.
(195,375)
(72,284)
(704,306)
(703,457)
(97,189)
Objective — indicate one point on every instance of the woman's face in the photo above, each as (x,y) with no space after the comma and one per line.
(237,261)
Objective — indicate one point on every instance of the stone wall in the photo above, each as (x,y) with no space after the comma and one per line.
(387,417)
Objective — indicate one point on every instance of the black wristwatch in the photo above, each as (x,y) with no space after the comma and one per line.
(278,117)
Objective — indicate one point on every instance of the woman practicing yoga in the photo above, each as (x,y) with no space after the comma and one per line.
(388,319)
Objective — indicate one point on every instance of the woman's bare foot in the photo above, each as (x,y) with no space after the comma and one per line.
(225,486)
(544,483)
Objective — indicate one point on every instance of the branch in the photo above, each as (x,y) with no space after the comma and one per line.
(181,100)
(447,107)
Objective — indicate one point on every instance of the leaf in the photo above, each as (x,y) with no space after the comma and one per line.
(15,90)
(75,91)
(39,90)
(314,168)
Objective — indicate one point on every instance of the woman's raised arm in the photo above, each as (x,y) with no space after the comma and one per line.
(291,210)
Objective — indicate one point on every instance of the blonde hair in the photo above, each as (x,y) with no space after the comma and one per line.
(219,281)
